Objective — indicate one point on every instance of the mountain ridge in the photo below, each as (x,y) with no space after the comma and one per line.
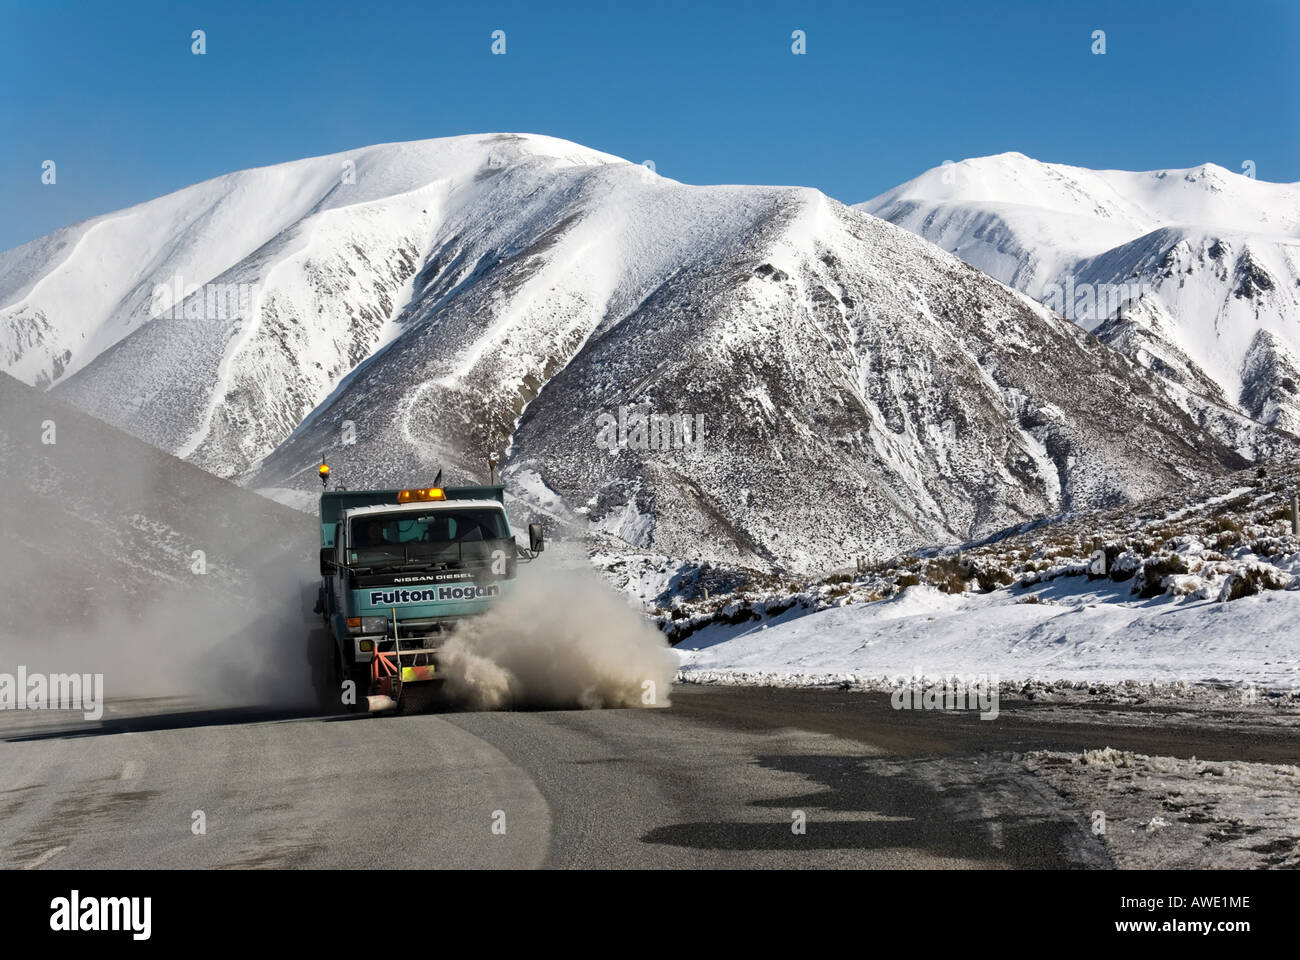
(862,391)
(1196,263)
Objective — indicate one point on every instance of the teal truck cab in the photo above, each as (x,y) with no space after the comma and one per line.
(399,569)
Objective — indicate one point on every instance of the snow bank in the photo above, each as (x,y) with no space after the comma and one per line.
(1076,631)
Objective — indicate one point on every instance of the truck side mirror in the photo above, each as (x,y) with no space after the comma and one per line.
(536,539)
(326,561)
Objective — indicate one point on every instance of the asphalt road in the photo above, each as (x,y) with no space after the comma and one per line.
(716,780)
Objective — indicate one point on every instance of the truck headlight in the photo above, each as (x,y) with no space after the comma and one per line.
(374,624)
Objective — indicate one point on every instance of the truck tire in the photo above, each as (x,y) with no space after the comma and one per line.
(320,667)
(359,674)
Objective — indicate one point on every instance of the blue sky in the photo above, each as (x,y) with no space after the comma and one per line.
(709,91)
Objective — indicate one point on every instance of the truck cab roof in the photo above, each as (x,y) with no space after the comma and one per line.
(336,505)
(422,506)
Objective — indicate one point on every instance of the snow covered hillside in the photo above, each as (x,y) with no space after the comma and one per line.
(1194,273)
(210,321)
(1176,590)
(811,383)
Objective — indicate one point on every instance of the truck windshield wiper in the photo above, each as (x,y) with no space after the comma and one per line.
(414,565)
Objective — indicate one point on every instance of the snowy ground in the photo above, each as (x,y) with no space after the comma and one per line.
(1188,593)
(1070,629)
(1182,814)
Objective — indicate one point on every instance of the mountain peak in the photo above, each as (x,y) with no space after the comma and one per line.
(1171,239)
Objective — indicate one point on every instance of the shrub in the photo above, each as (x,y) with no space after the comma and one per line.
(948,575)
(1226,540)
(1225,525)
(1251,579)
(1150,581)
(1124,566)
(1266,547)
(990,578)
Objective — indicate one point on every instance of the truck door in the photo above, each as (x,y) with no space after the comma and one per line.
(339,582)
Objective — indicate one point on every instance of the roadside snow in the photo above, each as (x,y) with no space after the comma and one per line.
(1075,630)
(1182,814)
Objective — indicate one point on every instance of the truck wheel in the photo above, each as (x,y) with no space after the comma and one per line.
(320,666)
(360,677)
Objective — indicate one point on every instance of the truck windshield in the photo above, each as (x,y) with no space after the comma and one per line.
(435,537)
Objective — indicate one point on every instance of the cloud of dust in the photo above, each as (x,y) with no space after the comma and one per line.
(557,639)
(97,576)
(98,569)
(237,636)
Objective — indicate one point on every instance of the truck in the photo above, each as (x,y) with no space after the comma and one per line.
(400,568)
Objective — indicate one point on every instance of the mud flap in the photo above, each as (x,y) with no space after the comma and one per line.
(421,697)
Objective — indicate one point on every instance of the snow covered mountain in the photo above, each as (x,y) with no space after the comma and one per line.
(1193,273)
(753,375)
(212,320)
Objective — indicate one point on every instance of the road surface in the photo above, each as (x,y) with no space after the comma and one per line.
(719,779)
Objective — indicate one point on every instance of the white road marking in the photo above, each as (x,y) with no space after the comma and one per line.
(48,854)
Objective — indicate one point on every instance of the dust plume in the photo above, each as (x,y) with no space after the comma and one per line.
(119,559)
(558,638)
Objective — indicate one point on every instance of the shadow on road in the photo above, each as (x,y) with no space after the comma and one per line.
(932,805)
